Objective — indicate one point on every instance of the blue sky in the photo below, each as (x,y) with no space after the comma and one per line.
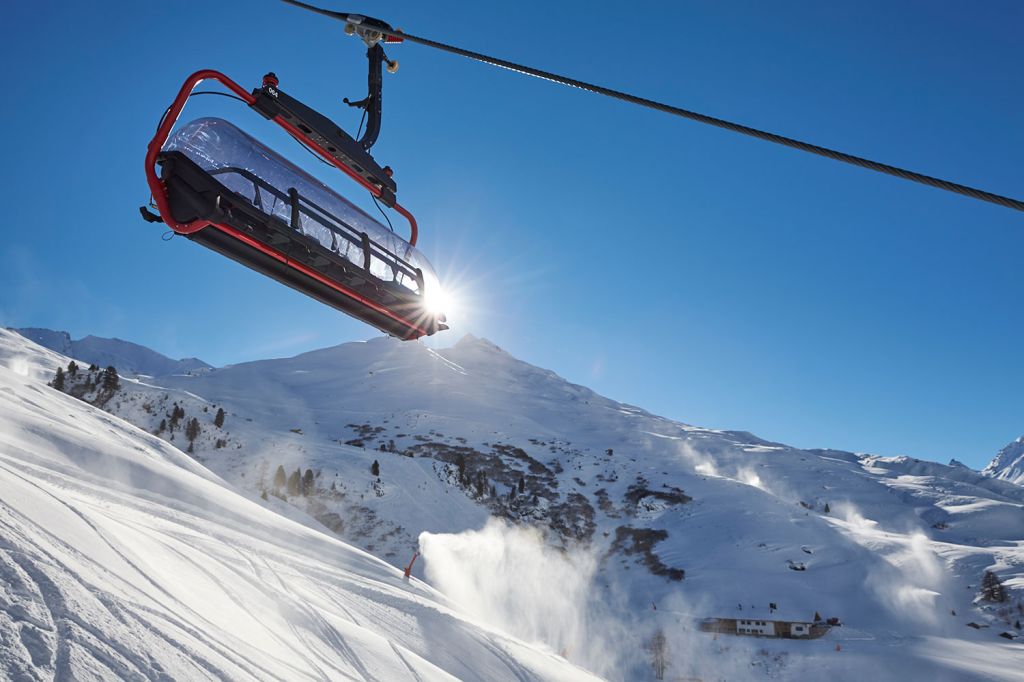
(702,275)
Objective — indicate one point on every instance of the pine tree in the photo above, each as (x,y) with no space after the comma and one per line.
(218,421)
(460,464)
(192,429)
(58,380)
(111,382)
(522,484)
(493,492)
(295,482)
(992,588)
(280,478)
(827,509)
(163,427)
(93,368)
(72,368)
(177,413)
(375,468)
(308,486)
(659,654)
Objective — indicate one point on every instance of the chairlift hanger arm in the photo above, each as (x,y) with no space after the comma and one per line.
(373,102)
(376,30)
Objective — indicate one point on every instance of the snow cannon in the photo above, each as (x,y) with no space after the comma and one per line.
(221,188)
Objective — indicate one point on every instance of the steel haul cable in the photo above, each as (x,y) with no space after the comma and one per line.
(921,178)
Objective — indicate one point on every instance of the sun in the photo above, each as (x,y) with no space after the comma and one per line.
(437,301)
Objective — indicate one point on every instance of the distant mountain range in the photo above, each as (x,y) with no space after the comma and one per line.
(129,358)
(134,359)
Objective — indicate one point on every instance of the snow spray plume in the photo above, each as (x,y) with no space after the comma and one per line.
(910,581)
(507,576)
(918,594)
(742,471)
(511,579)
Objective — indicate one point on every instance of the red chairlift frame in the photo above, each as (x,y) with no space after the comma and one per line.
(159,191)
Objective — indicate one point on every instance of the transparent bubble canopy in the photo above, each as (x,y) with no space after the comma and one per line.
(266,179)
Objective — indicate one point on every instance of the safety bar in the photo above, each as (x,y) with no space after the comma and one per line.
(301,205)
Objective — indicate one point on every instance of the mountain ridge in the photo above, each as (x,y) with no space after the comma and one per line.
(136,359)
(127,356)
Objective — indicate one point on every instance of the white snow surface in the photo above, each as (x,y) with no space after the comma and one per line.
(123,558)
(893,546)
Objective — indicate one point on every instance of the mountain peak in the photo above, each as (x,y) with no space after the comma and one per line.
(1008,464)
(58,341)
(378,341)
(471,342)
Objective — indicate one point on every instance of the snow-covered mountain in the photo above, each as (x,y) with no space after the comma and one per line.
(122,558)
(659,523)
(1008,464)
(128,357)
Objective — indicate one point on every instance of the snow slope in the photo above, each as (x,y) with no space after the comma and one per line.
(123,558)
(128,357)
(666,523)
